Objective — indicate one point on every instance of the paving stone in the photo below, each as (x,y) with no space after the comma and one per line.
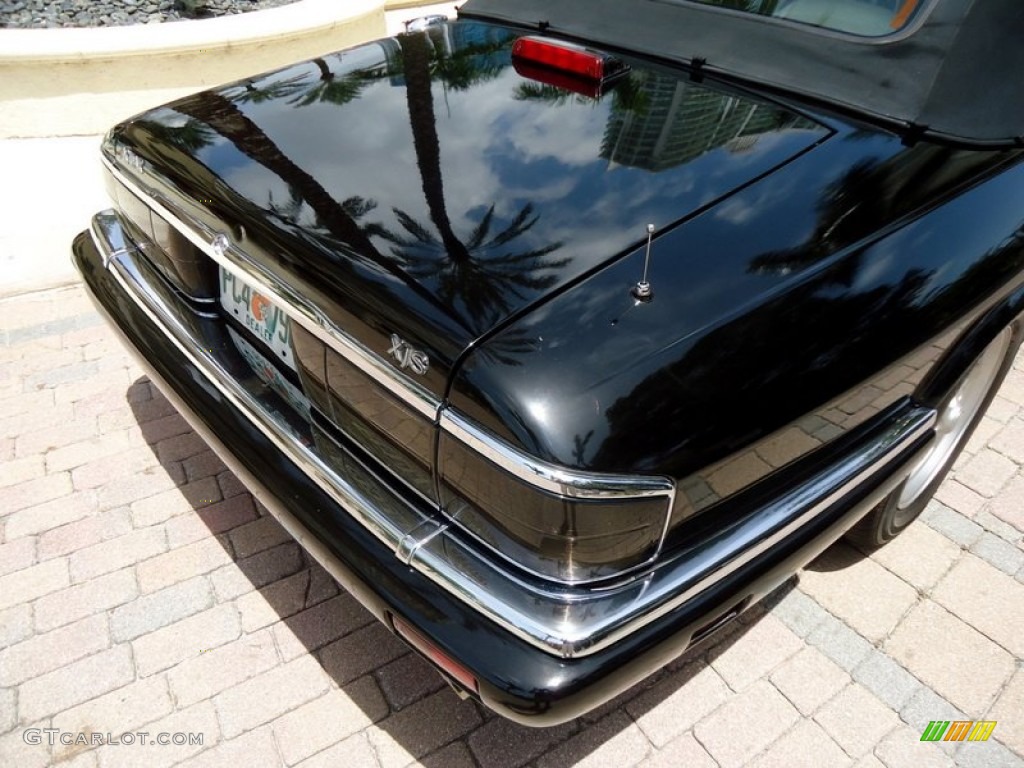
(231,486)
(887,680)
(612,741)
(321,624)
(958,497)
(217,518)
(97,527)
(856,719)
(203,465)
(17,555)
(684,751)
(198,722)
(950,524)
(500,743)
(761,648)
(336,715)
(15,624)
(408,679)
(150,612)
(920,556)
(925,706)
(94,448)
(162,506)
(258,535)
(180,447)
(74,683)
(359,652)
(35,438)
(353,752)
(999,552)
(986,473)
(903,748)
(125,709)
(217,669)
(727,733)
(127,488)
(29,583)
(17,471)
(805,745)
(99,594)
(799,612)
(455,755)
(322,585)
(181,564)
(185,639)
(120,467)
(987,754)
(840,643)
(255,748)
(116,553)
(676,704)
(987,599)
(952,658)
(1009,505)
(45,512)
(1009,712)
(8,709)
(257,571)
(867,597)
(45,653)
(1000,528)
(809,679)
(1009,440)
(274,602)
(18,751)
(269,695)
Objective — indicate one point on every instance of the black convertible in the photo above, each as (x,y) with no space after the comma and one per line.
(563,332)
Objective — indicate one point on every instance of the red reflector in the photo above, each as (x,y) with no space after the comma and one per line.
(457,672)
(566,57)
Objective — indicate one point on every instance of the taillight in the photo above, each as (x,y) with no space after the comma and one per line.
(557,537)
(565,65)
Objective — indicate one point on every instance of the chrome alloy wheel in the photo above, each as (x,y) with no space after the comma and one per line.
(955,417)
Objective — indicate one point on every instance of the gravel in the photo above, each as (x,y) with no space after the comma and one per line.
(36,14)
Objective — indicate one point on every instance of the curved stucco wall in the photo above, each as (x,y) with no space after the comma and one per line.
(64,82)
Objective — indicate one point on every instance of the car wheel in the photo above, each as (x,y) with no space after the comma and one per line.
(958,415)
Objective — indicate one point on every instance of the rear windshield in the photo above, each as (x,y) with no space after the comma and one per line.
(866,18)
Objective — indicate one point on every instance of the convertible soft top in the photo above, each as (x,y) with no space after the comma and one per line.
(953,74)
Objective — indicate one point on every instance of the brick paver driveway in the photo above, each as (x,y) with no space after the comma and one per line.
(141,590)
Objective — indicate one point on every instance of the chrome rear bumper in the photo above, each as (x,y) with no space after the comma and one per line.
(562,621)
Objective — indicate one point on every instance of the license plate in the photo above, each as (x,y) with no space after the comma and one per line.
(267,372)
(258,314)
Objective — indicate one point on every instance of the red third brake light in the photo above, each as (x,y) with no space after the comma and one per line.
(566,57)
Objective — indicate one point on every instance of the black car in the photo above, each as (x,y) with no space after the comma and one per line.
(563,332)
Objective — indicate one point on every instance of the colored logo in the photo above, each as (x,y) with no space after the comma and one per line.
(259,303)
(958,730)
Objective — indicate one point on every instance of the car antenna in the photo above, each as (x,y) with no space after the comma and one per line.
(642,290)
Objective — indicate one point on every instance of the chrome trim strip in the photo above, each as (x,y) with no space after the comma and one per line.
(552,477)
(218,247)
(579,624)
(544,475)
(557,619)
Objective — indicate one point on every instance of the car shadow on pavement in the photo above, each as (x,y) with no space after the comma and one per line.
(277,587)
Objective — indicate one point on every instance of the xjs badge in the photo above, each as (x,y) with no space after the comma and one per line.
(408,356)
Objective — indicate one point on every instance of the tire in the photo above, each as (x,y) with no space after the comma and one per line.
(959,413)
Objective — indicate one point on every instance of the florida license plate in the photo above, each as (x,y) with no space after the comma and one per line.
(257,313)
